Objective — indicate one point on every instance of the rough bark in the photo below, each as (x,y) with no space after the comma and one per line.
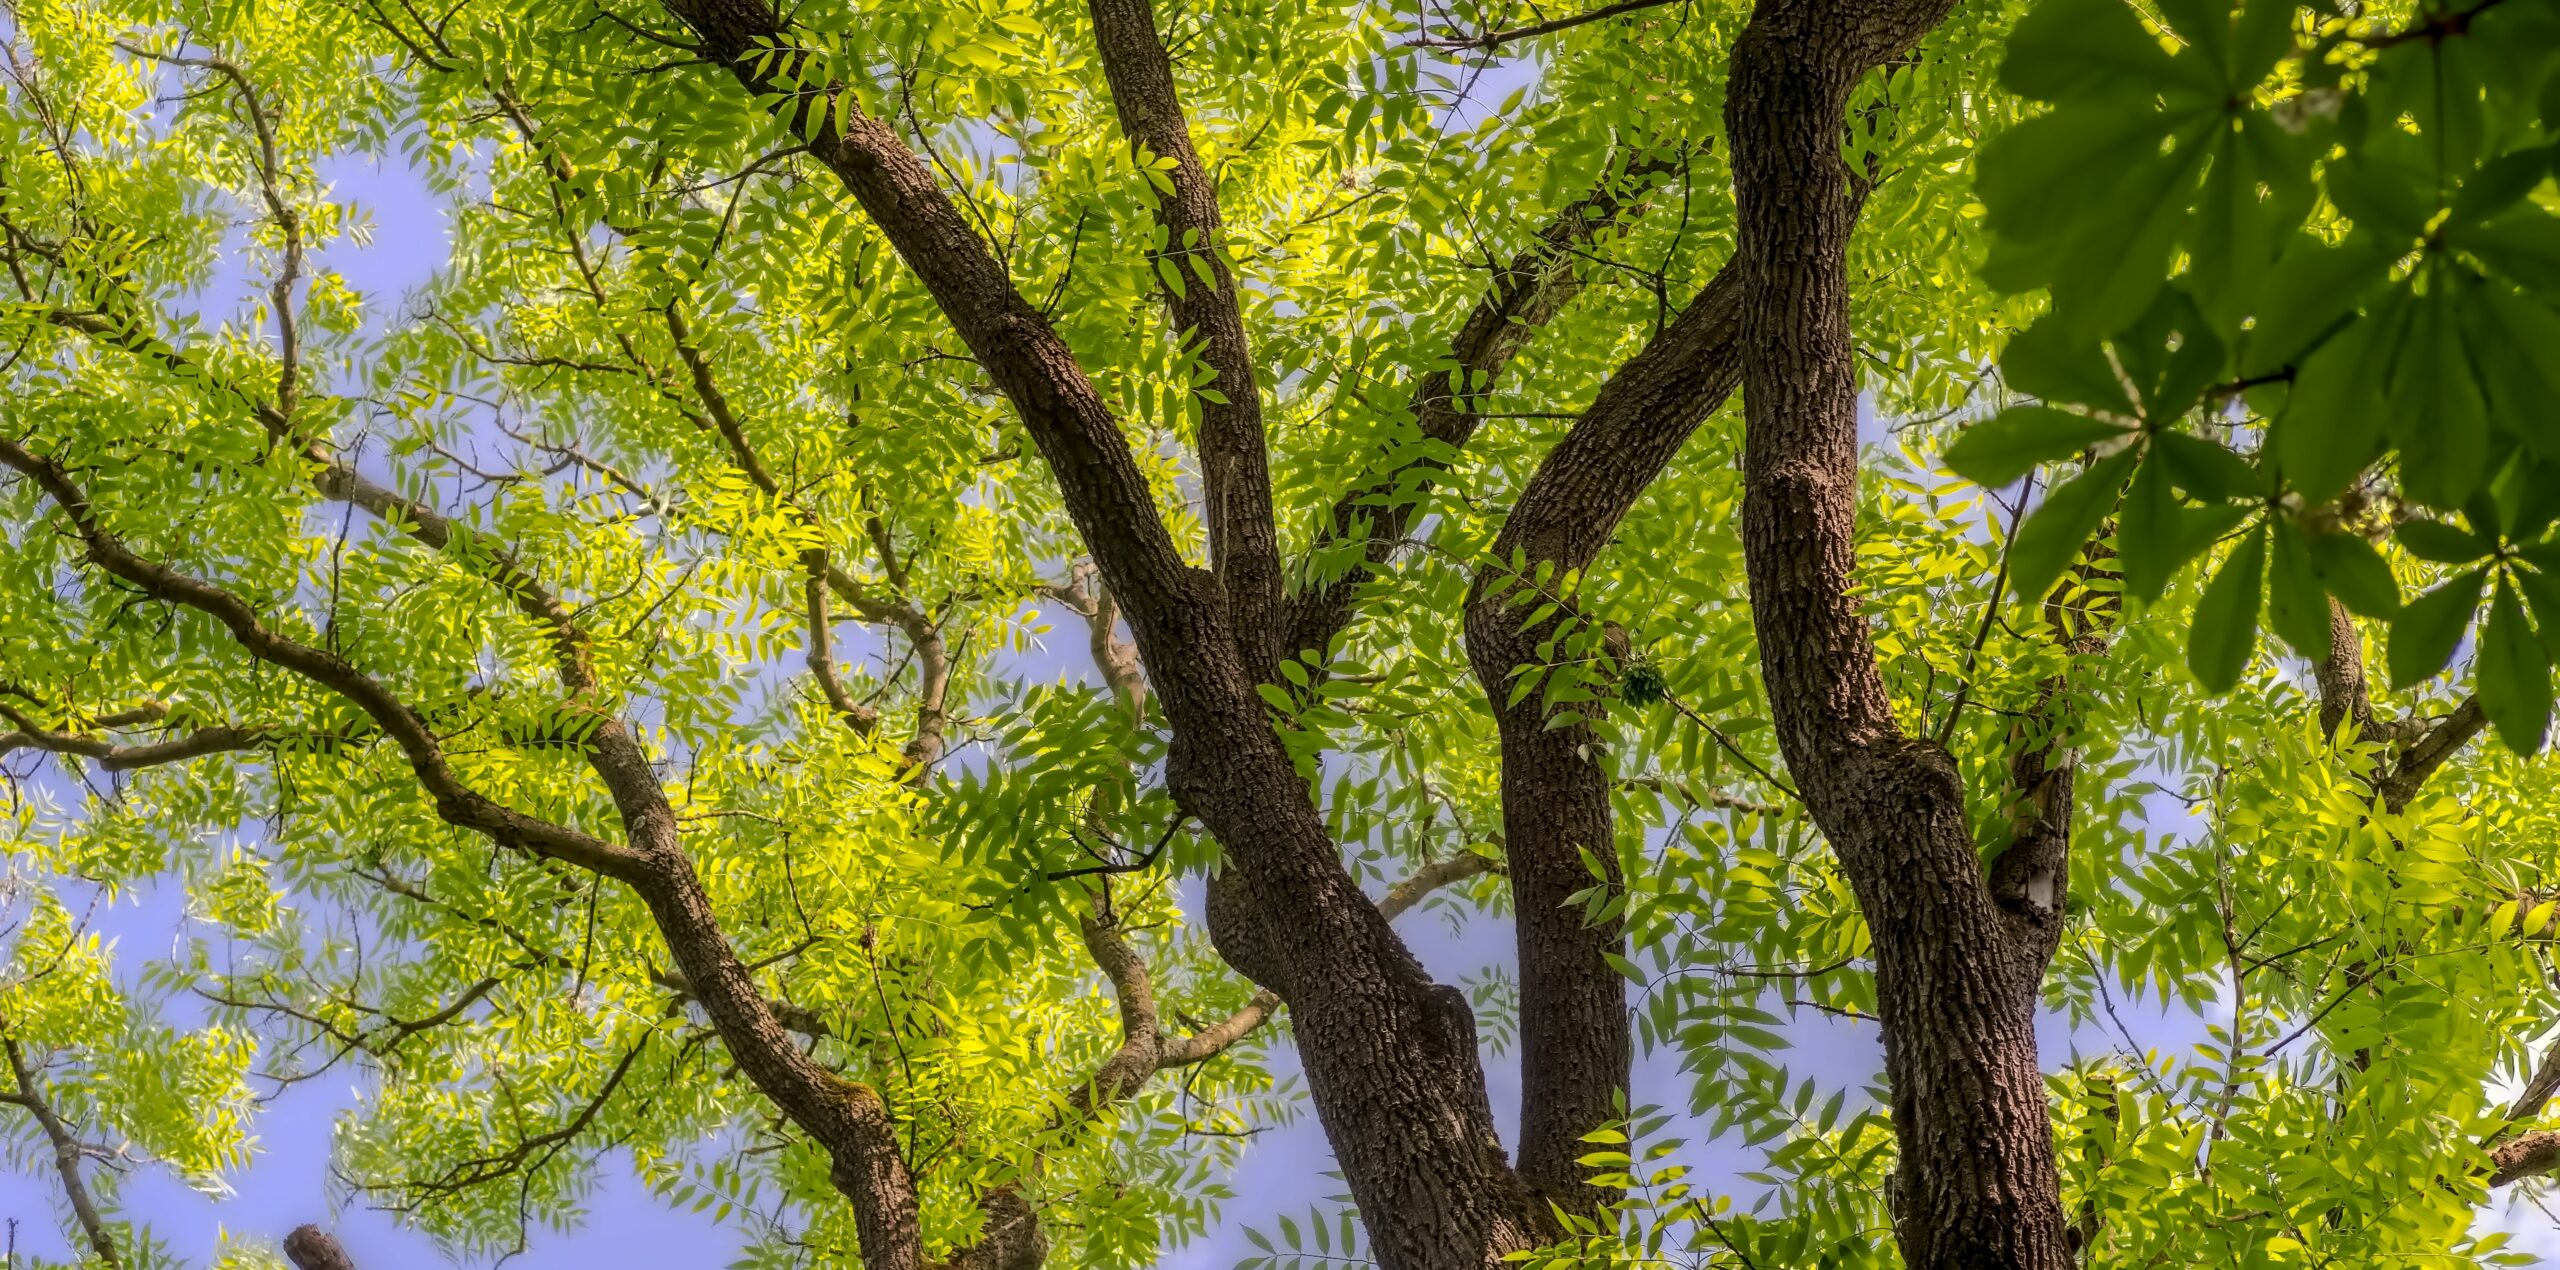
(1555,785)
(1235,477)
(1525,294)
(1956,970)
(1391,1057)
(311,1248)
(2341,677)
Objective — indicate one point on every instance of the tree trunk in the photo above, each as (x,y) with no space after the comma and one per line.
(1956,970)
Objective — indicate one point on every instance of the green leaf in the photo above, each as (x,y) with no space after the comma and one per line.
(2333,421)
(2207,469)
(2312,289)
(2008,445)
(2147,532)
(2499,184)
(2058,527)
(2225,631)
(2514,675)
(2441,543)
(2297,603)
(2438,418)
(2377,197)
(2542,594)
(2047,361)
(2357,574)
(2172,356)
(2427,629)
(2522,243)
(2092,48)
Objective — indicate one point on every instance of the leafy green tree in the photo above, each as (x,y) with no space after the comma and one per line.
(583,694)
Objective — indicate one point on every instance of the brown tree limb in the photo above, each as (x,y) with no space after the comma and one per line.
(2341,676)
(1957,975)
(1577,1040)
(116,757)
(67,1153)
(2525,1155)
(1012,1237)
(311,1248)
(1525,294)
(1200,290)
(1391,1056)
(849,1121)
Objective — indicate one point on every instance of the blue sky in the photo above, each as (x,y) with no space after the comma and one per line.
(1284,1172)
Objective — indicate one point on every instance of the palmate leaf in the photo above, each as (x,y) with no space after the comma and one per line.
(2053,533)
(2356,574)
(2000,449)
(2429,628)
(2297,600)
(2225,632)
(2514,674)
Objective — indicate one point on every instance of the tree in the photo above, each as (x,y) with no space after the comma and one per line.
(481,670)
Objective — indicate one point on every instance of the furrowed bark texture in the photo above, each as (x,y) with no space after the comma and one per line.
(1235,477)
(1555,791)
(1956,971)
(1526,293)
(311,1248)
(1391,1057)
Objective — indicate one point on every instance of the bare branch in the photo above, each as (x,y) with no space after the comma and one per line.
(1495,39)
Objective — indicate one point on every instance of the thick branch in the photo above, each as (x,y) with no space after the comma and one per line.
(1525,294)
(2433,748)
(2524,1155)
(1201,291)
(311,1248)
(1418,1147)
(1957,974)
(2341,676)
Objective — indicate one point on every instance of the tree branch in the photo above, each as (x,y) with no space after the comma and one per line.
(1524,295)
(848,1120)
(66,1154)
(456,803)
(1493,39)
(311,1248)
(1200,289)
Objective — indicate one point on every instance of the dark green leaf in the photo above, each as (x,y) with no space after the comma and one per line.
(2499,184)
(2085,48)
(2049,362)
(2428,629)
(2437,541)
(2225,631)
(2297,603)
(2357,574)
(2333,420)
(2380,197)
(2008,445)
(2206,469)
(2147,537)
(2514,675)
(2055,531)
(2312,288)
(2437,417)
